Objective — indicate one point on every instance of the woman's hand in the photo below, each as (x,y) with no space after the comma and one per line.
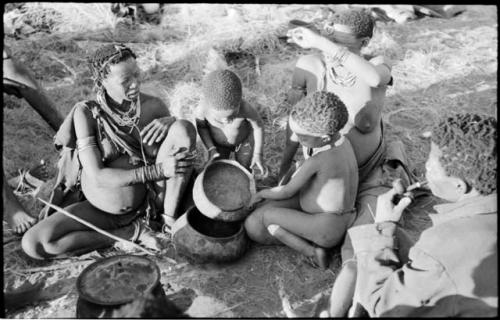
(304,38)
(386,210)
(178,162)
(156,130)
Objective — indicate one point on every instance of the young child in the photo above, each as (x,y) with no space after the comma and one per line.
(313,210)
(226,123)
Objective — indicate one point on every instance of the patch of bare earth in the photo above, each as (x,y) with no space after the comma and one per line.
(440,66)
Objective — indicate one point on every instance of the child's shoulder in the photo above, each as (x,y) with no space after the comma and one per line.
(310,62)
(378,60)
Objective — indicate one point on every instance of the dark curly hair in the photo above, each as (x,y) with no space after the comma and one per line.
(469,145)
(320,113)
(105,56)
(359,20)
(222,90)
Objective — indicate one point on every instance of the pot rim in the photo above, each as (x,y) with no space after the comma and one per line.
(202,201)
(240,230)
(82,294)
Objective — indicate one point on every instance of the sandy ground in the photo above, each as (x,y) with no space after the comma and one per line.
(439,66)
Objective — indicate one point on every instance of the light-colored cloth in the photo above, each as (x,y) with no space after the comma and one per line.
(452,269)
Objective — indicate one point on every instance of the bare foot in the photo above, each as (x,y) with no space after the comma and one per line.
(19,221)
(144,236)
(14,213)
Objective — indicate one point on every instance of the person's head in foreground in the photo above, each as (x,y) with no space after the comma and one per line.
(352,28)
(317,119)
(222,94)
(114,69)
(463,157)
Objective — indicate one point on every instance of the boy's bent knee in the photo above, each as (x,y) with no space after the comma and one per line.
(183,129)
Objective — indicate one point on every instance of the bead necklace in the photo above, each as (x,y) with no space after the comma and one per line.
(129,118)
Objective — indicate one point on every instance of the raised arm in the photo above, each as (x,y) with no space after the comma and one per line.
(297,91)
(374,76)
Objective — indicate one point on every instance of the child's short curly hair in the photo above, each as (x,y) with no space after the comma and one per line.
(469,145)
(321,113)
(105,56)
(222,90)
(359,20)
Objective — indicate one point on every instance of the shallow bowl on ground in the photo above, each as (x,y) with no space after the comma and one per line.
(117,280)
(223,191)
(206,240)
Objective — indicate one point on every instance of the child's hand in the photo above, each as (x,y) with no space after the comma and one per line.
(257,161)
(213,154)
(256,198)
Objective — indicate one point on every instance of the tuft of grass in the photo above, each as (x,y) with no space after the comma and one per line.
(74,16)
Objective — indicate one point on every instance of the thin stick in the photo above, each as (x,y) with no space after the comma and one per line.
(226,310)
(57,266)
(90,225)
(371,212)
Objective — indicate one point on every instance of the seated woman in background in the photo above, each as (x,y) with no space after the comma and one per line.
(122,156)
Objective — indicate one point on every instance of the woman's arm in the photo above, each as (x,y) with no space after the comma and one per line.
(91,158)
(372,75)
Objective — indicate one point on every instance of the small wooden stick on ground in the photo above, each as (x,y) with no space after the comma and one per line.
(90,225)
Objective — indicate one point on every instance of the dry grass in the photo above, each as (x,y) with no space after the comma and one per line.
(438,66)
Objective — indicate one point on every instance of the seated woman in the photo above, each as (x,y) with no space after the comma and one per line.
(121,156)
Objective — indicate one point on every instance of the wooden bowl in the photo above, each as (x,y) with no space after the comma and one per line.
(117,280)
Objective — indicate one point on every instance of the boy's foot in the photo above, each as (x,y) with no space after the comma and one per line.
(319,260)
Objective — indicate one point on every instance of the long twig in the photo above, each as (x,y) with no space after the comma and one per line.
(226,310)
(90,225)
(57,266)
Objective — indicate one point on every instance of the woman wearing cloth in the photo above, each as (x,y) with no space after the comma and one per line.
(122,156)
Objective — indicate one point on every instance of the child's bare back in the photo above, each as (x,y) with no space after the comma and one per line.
(333,188)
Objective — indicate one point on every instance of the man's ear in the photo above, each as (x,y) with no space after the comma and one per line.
(462,186)
(326,138)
